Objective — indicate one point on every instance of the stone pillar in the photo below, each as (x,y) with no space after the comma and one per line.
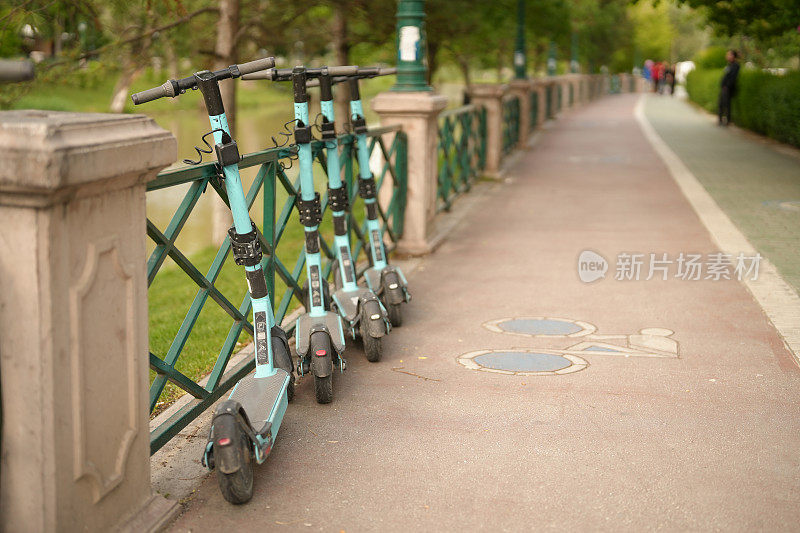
(573,86)
(538,87)
(490,96)
(549,86)
(624,87)
(417,113)
(522,90)
(73,321)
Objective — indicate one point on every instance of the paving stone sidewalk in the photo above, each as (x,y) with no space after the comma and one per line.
(755,180)
(681,413)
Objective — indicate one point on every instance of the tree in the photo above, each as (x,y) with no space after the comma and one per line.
(761,19)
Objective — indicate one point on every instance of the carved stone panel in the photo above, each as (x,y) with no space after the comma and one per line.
(103,320)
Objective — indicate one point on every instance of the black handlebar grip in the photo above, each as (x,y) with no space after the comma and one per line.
(268,74)
(16,70)
(256,66)
(368,72)
(153,94)
(344,70)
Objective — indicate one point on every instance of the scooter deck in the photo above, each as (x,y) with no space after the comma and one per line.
(263,399)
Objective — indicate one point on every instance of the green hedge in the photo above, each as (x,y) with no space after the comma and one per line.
(764,102)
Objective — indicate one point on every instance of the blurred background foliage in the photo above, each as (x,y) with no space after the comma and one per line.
(109,47)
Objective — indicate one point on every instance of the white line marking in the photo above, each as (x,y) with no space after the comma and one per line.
(776,297)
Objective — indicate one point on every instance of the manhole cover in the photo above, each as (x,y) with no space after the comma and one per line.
(540,327)
(522,362)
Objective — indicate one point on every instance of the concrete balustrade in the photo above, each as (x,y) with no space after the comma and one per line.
(417,113)
(522,90)
(73,321)
(490,97)
(538,86)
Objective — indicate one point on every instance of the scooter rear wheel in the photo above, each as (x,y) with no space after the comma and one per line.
(323,385)
(237,488)
(391,279)
(395,314)
(373,348)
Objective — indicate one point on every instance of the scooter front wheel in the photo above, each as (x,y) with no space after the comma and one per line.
(237,487)
(320,346)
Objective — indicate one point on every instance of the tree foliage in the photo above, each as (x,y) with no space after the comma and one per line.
(756,18)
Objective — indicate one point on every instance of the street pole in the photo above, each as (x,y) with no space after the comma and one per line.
(551,59)
(574,66)
(520,58)
(411,63)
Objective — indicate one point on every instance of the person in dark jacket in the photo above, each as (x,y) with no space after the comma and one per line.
(728,87)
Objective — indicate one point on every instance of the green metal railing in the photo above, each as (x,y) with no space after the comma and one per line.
(270,181)
(548,93)
(571,94)
(510,123)
(534,110)
(461,152)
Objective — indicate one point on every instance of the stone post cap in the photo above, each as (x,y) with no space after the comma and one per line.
(488,90)
(46,151)
(520,85)
(412,103)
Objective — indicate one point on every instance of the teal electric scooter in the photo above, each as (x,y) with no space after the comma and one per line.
(245,426)
(385,280)
(359,307)
(319,337)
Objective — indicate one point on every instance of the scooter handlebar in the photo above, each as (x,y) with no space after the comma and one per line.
(16,70)
(357,72)
(256,66)
(155,93)
(173,88)
(345,70)
(268,74)
(285,74)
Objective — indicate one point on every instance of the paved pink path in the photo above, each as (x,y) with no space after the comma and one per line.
(707,440)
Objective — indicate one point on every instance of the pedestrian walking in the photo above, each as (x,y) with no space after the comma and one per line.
(728,87)
(658,72)
(669,78)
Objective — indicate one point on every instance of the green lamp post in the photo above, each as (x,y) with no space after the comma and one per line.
(574,66)
(551,59)
(520,58)
(411,64)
